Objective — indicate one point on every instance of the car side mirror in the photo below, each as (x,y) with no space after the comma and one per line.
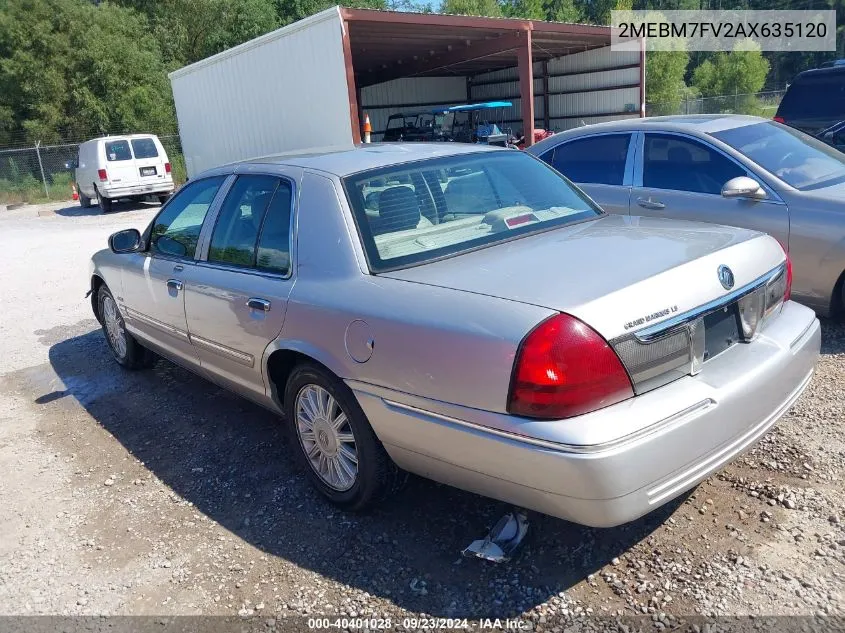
(743,187)
(126,241)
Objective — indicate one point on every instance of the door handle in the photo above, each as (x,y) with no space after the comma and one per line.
(256,303)
(650,204)
(178,268)
(174,284)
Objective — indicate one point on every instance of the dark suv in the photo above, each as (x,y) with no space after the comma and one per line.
(815,101)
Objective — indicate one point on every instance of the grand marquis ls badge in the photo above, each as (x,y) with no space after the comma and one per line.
(726,277)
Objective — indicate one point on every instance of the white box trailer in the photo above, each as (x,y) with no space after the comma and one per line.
(308,85)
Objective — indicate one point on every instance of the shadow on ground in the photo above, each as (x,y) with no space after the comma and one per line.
(76,211)
(227,456)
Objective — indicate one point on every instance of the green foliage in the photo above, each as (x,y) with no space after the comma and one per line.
(190,30)
(177,167)
(293,10)
(526,9)
(68,67)
(664,79)
(741,71)
(564,11)
(489,8)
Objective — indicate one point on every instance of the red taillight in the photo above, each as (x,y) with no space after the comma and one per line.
(103,175)
(563,369)
(167,167)
(778,119)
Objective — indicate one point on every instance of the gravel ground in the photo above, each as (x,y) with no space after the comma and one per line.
(158,493)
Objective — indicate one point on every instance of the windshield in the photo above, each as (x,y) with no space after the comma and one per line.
(417,212)
(796,158)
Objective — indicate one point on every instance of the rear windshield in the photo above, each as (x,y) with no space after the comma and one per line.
(417,212)
(144,148)
(820,96)
(118,150)
(796,158)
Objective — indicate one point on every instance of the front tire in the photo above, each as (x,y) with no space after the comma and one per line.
(125,349)
(334,441)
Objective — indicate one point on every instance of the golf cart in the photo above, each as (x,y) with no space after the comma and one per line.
(476,123)
(411,127)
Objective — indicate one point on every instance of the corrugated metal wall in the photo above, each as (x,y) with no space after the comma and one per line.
(412,95)
(599,85)
(251,100)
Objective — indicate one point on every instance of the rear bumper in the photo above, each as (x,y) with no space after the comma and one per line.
(159,187)
(652,448)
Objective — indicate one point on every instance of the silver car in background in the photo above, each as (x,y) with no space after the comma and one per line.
(464,313)
(735,170)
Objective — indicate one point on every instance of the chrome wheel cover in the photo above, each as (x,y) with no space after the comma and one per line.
(326,437)
(114,326)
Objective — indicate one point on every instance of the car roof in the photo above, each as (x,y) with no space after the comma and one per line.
(119,137)
(695,123)
(343,161)
(820,72)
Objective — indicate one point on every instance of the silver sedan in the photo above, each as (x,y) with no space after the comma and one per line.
(465,314)
(735,170)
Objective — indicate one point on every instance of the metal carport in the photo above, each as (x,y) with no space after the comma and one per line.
(393,58)
(308,84)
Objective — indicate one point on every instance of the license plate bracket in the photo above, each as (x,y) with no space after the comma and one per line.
(148,171)
(721,331)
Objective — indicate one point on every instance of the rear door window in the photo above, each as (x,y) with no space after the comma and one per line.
(235,235)
(683,164)
(118,150)
(597,160)
(144,148)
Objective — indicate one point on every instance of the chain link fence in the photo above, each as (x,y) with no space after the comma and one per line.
(41,172)
(763,104)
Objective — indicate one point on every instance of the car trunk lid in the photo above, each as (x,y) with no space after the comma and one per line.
(618,274)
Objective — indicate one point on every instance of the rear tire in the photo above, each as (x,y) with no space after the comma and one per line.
(332,437)
(127,351)
(84,201)
(103,202)
(164,198)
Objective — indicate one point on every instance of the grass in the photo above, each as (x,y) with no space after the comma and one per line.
(28,188)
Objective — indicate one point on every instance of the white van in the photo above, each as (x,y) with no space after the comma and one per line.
(112,167)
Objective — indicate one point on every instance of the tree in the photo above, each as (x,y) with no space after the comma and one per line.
(563,11)
(69,68)
(664,80)
(742,71)
(524,9)
(489,8)
(292,10)
(190,30)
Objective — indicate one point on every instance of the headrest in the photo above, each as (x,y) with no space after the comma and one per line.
(398,209)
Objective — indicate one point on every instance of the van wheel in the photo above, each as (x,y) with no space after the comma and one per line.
(164,198)
(334,441)
(105,203)
(126,350)
(84,201)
